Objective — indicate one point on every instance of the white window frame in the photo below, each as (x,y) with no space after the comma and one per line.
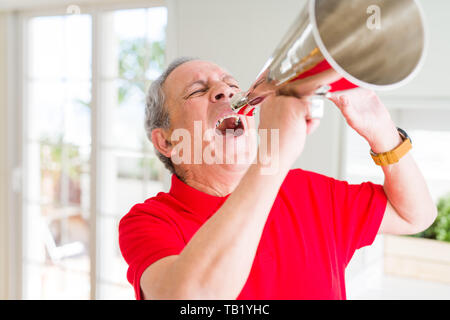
(12,207)
(16,105)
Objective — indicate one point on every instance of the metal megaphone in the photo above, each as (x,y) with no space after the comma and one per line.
(336,45)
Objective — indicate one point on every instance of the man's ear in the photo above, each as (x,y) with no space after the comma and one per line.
(160,139)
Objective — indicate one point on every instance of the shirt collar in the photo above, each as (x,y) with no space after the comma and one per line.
(198,202)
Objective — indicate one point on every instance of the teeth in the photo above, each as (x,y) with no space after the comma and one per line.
(236,117)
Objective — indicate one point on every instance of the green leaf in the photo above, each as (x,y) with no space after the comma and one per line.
(440,229)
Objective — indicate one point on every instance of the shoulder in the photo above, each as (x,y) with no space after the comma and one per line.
(299,177)
(152,209)
(313,184)
(153,221)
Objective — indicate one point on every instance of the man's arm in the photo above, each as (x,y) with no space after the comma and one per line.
(216,262)
(410,208)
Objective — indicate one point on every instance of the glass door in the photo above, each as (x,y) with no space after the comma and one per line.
(84,131)
(134,45)
(57,158)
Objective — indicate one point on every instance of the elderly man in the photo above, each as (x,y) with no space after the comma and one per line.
(229,230)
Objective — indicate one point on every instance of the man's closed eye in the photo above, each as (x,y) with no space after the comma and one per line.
(197,92)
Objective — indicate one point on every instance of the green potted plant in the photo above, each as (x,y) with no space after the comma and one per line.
(440,229)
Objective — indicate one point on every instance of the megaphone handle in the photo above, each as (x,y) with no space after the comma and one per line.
(316,109)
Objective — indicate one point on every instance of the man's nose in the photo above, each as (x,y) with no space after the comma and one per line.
(222,92)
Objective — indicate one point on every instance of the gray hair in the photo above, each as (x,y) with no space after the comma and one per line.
(156,114)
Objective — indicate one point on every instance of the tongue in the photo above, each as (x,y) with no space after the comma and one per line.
(227,124)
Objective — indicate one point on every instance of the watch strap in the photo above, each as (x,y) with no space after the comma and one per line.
(393,156)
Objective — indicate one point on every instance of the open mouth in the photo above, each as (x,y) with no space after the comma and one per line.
(230,125)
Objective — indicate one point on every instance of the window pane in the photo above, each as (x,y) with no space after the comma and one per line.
(156,24)
(113,268)
(58,122)
(433,159)
(138,41)
(47,47)
(124,116)
(64,105)
(130,23)
(60,47)
(46,101)
(57,198)
(55,282)
(77,113)
(359,164)
(130,172)
(77,44)
(430,134)
(127,180)
(113,291)
(56,263)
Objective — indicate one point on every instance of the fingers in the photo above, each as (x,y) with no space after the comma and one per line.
(340,100)
(355,95)
(291,106)
(343,103)
(290,103)
(312,125)
(335,99)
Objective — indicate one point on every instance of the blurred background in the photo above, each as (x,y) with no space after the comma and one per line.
(74,157)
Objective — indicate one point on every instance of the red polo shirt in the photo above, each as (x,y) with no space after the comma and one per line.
(315,226)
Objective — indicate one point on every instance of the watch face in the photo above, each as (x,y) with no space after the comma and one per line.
(404,134)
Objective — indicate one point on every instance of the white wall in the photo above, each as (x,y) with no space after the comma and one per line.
(432,82)
(10,150)
(240,35)
(3,144)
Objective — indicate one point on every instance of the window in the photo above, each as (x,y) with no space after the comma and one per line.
(429,129)
(129,169)
(84,114)
(430,133)
(427,124)
(58,147)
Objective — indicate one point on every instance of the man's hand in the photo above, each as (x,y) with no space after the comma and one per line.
(288,114)
(366,114)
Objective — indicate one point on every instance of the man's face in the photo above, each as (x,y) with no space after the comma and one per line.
(199,93)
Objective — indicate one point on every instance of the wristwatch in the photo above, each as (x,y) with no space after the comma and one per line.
(393,156)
